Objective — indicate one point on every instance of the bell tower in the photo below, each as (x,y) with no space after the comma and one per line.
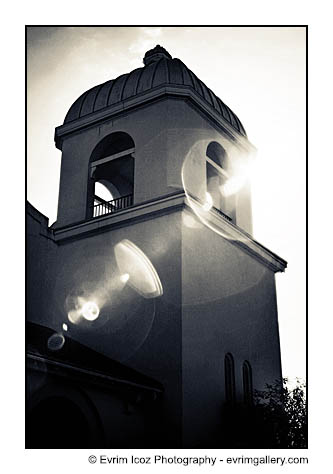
(153,263)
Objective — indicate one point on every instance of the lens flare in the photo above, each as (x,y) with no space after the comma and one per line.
(190,222)
(56,342)
(229,187)
(242,173)
(90,311)
(208,203)
(65,327)
(83,308)
(73,316)
(124,278)
(142,275)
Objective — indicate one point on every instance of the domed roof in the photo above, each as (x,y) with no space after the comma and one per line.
(160,69)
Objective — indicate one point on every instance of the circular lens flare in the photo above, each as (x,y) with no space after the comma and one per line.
(65,327)
(73,316)
(194,183)
(55,342)
(124,278)
(142,275)
(90,311)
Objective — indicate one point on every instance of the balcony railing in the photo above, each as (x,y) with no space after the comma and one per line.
(101,207)
(225,216)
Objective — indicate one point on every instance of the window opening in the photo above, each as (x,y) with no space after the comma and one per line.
(247,383)
(217,174)
(229,372)
(111,175)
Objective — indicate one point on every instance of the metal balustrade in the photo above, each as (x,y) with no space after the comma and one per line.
(110,207)
(225,216)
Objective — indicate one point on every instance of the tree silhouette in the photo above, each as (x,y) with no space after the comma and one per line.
(284,410)
(275,418)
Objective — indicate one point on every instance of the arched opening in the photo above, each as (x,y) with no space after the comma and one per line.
(229,374)
(247,383)
(217,175)
(57,422)
(217,153)
(103,190)
(111,175)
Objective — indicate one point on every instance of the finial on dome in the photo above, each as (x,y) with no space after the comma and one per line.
(155,54)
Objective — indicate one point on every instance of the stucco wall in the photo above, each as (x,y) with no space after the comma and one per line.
(164,134)
(228,305)
(141,333)
(41,253)
(216,299)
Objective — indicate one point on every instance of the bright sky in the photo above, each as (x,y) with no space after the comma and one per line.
(258,72)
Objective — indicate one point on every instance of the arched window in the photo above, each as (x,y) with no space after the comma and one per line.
(229,374)
(247,383)
(111,175)
(217,174)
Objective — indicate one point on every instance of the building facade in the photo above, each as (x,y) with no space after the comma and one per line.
(150,306)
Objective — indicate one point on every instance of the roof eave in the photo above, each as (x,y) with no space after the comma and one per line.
(158,93)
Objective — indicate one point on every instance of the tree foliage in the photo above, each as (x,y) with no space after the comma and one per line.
(276,418)
(284,410)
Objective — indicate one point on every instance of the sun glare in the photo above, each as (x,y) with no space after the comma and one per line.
(208,203)
(90,311)
(124,278)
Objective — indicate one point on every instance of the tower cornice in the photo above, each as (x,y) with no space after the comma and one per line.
(159,93)
(165,205)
